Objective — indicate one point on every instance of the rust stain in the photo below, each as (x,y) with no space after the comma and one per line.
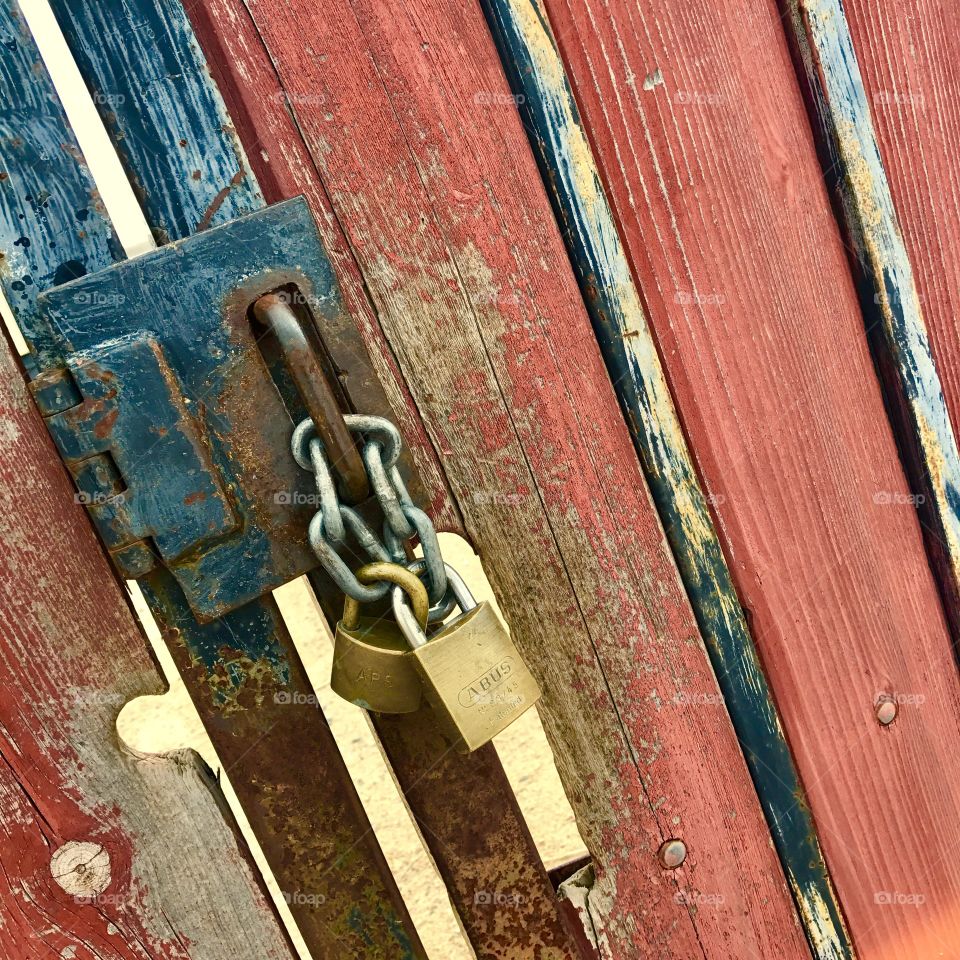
(104,426)
(218,200)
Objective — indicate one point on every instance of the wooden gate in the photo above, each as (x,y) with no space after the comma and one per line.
(660,299)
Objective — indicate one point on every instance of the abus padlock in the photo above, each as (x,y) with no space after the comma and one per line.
(373,666)
(473,676)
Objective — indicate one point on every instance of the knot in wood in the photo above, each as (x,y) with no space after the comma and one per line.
(81,868)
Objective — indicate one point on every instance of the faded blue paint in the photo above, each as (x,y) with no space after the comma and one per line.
(170,332)
(546,103)
(52,224)
(892,311)
(167,119)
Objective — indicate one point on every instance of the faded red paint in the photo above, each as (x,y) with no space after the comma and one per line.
(70,657)
(514,392)
(721,202)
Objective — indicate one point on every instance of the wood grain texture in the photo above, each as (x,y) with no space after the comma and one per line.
(891,301)
(167,121)
(476,857)
(465,810)
(57,211)
(546,104)
(242,670)
(907,54)
(175,881)
(412,132)
(709,162)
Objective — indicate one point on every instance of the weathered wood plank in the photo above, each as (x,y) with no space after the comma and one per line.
(243,670)
(51,204)
(892,304)
(444,212)
(547,105)
(907,55)
(166,877)
(167,121)
(696,117)
(475,855)
(464,807)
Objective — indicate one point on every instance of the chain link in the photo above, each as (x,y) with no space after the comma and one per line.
(402,518)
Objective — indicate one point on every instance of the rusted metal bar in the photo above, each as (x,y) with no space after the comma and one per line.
(300,357)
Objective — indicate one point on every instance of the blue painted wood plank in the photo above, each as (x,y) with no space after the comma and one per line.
(546,102)
(891,304)
(151,85)
(53,226)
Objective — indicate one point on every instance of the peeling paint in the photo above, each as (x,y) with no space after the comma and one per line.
(570,173)
(891,303)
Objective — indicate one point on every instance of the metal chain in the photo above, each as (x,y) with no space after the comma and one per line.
(402,518)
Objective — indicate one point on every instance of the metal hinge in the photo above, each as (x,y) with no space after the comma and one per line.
(182,374)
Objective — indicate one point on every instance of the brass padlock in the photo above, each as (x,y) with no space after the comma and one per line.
(473,675)
(373,666)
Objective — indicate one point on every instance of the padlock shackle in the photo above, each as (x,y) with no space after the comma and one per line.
(407,618)
(407,583)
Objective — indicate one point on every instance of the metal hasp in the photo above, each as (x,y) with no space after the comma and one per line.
(179,377)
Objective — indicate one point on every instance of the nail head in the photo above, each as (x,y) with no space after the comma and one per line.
(672,854)
(886,712)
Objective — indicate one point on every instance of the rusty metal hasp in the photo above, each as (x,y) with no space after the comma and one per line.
(180,375)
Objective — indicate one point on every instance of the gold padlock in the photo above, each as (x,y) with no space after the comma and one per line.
(474,677)
(373,666)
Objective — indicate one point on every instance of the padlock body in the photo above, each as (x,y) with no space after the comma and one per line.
(374,667)
(474,678)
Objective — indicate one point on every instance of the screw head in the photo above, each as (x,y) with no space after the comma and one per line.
(672,854)
(886,712)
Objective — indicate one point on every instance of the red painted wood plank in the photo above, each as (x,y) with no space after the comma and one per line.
(165,875)
(697,119)
(441,204)
(908,55)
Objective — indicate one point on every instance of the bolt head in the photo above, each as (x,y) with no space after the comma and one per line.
(672,854)
(886,712)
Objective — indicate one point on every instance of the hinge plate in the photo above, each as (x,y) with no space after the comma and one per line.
(174,421)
